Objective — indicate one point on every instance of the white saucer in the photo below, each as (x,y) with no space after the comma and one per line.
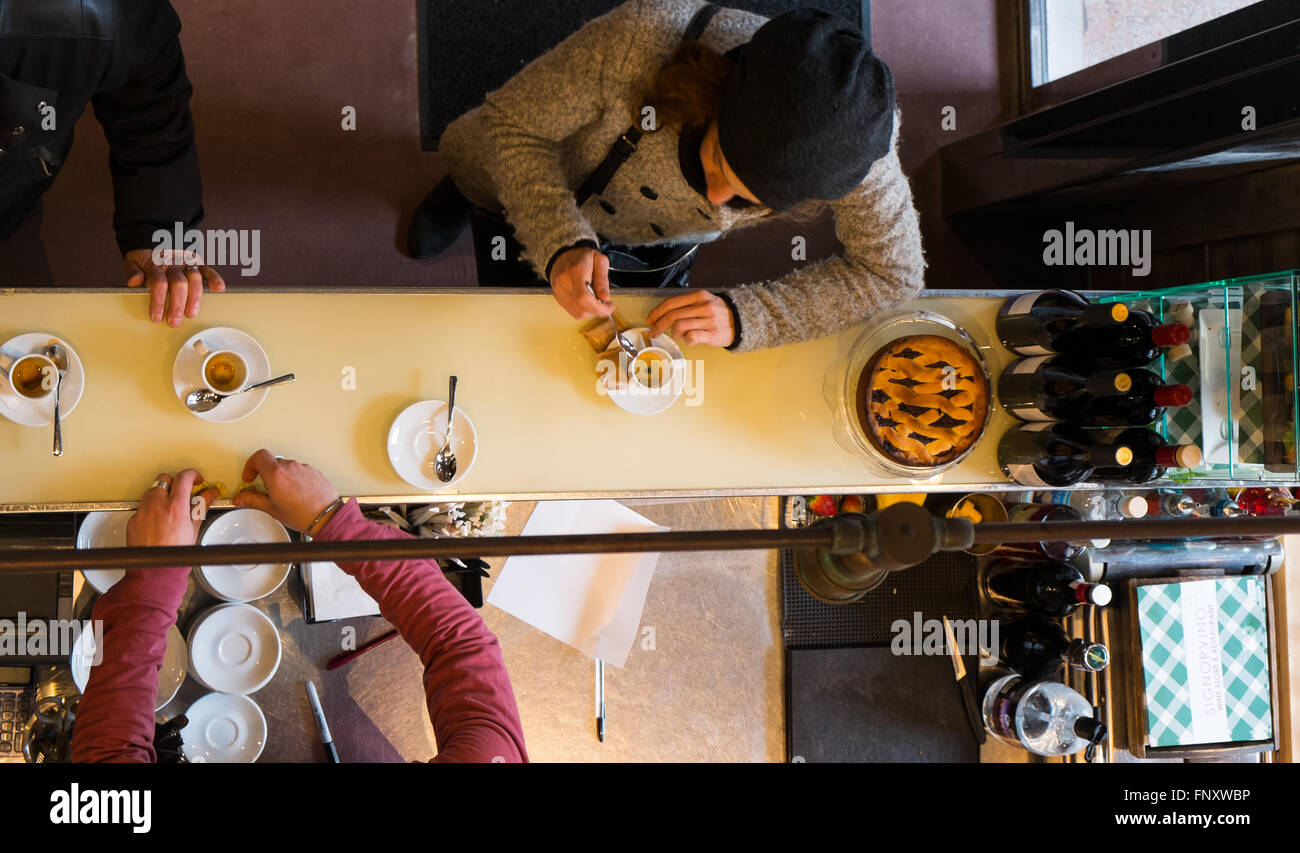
(170,676)
(187,372)
(103,530)
(645,402)
(417,436)
(243,583)
(40,413)
(223,730)
(234,648)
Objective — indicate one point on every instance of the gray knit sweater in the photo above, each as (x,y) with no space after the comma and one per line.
(538,137)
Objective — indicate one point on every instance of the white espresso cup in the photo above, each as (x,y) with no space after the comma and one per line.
(652,370)
(223,371)
(31,376)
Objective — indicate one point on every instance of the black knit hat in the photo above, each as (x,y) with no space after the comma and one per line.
(805,110)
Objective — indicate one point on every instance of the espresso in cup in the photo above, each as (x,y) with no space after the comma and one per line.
(652,368)
(224,371)
(33,376)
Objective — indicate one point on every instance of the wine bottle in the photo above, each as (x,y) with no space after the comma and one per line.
(1143,402)
(1151,456)
(1135,342)
(1037,647)
(1053,455)
(1042,389)
(1047,587)
(1063,550)
(1042,322)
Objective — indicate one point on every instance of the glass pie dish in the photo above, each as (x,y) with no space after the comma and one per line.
(841,390)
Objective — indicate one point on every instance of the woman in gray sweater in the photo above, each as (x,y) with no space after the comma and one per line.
(752,119)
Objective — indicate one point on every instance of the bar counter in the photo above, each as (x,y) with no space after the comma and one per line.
(752,423)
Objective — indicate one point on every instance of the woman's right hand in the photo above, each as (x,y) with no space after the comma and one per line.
(296,495)
(572,271)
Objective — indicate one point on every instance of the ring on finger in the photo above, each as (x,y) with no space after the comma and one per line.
(160,484)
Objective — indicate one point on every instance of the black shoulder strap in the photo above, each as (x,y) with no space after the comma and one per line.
(625,146)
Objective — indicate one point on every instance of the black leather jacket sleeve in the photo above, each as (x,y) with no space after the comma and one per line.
(144,110)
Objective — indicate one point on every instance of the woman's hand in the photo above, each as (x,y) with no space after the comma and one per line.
(167,515)
(572,271)
(697,317)
(296,493)
(175,290)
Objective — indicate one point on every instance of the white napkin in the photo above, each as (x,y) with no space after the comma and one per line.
(593,602)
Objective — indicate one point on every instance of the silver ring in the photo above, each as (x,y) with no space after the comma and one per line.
(159,484)
(191,268)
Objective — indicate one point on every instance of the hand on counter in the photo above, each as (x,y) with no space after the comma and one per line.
(167,515)
(697,317)
(297,493)
(175,290)
(569,276)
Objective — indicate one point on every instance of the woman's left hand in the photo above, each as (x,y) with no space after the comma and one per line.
(697,317)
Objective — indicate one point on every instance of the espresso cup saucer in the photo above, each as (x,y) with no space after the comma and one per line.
(103,529)
(187,373)
(223,729)
(170,675)
(640,401)
(243,583)
(416,436)
(40,413)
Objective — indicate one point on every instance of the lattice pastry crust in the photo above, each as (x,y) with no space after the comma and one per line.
(922,400)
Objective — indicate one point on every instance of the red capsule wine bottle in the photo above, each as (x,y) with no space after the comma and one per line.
(1055,455)
(1151,456)
(1144,402)
(1037,647)
(1043,389)
(1046,587)
(1135,342)
(1045,321)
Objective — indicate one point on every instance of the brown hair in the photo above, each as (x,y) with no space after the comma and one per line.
(684,93)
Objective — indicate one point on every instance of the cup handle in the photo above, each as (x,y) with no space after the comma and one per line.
(202,349)
(6,361)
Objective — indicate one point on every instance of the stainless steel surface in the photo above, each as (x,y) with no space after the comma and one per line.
(1121,561)
(59,356)
(444,464)
(205,400)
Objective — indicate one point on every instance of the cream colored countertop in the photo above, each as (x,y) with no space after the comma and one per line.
(527,380)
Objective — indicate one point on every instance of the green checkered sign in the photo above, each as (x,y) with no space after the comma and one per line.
(1205,661)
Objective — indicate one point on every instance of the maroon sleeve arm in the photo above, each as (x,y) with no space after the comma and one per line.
(115,718)
(471,703)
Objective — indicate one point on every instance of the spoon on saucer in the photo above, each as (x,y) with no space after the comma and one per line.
(444,464)
(623,342)
(59,356)
(205,400)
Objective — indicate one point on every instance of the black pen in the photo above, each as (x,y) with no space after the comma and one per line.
(319,714)
(600,700)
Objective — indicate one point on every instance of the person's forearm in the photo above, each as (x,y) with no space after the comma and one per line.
(882,265)
(115,717)
(471,703)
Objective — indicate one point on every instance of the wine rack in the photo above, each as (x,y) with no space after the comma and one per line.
(1242,370)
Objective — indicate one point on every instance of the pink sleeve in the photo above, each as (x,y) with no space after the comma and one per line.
(115,718)
(471,703)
